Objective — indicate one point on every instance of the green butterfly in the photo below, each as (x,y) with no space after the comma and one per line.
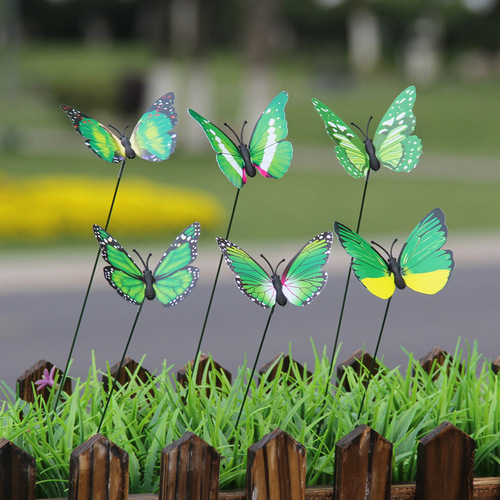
(152,138)
(170,282)
(392,147)
(302,279)
(266,152)
(421,265)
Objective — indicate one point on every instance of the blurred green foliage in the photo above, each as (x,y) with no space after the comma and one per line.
(456,120)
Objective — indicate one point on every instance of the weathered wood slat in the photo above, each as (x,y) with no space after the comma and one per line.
(363,466)
(189,470)
(17,473)
(445,465)
(276,468)
(485,488)
(128,368)
(31,375)
(361,362)
(98,470)
(288,366)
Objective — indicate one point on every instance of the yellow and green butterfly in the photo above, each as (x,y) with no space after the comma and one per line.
(392,146)
(170,282)
(422,265)
(152,138)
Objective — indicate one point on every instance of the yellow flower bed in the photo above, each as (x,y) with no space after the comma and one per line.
(47,207)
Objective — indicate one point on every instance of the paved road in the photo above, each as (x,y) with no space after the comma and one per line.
(40,325)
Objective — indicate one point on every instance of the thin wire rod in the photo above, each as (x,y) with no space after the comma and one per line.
(374,356)
(198,348)
(84,305)
(115,381)
(348,279)
(254,366)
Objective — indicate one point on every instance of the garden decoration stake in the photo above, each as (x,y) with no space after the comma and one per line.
(422,265)
(170,282)
(393,147)
(152,139)
(267,153)
(301,282)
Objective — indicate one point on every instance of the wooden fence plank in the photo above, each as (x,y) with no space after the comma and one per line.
(31,375)
(128,368)
(204,363)
(17,473)
(360,362)
(445,465)
(98,470)
(189,470)
(276,468)
(288,366)
(363,465)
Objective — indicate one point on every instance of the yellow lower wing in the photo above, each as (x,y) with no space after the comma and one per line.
(381,287)
(429,283)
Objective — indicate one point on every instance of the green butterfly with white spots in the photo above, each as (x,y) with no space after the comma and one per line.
(170,282)
(422,265)
(301,282)
(267,152)
(152,138)
(393,146)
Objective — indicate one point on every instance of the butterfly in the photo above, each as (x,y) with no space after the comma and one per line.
(302,279)
(152,138)
(392,146)
(172,278)
(421,265)
(266,152)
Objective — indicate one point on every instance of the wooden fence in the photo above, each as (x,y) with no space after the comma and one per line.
(276,466)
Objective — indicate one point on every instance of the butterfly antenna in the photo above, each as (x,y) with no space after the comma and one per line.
(273,270)
(392,246)
(368,127)
(232,130)
(116,130)
(241,135)
(365,134)
(380,246)
(145,264)
(126,127)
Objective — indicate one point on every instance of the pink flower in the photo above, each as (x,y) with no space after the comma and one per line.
(47,379)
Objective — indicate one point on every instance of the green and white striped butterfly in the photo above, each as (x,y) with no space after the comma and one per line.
(421,265)
(267,151)
(302,280)
(392,146)
(170,282)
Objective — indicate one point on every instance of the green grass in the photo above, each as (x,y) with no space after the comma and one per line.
(401,405)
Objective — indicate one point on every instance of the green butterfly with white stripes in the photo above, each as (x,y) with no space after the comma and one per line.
(393,146)
(267,152)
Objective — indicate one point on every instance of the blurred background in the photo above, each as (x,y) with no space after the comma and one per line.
(227,60)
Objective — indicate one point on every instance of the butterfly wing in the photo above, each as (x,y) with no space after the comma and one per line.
(251,279)
(153,138)
(122,274)
(368,265)
(174,278)
(303,278)
(228,155)
(269,152)
(350,149)
(424,266)
(97,137)
(395,147)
